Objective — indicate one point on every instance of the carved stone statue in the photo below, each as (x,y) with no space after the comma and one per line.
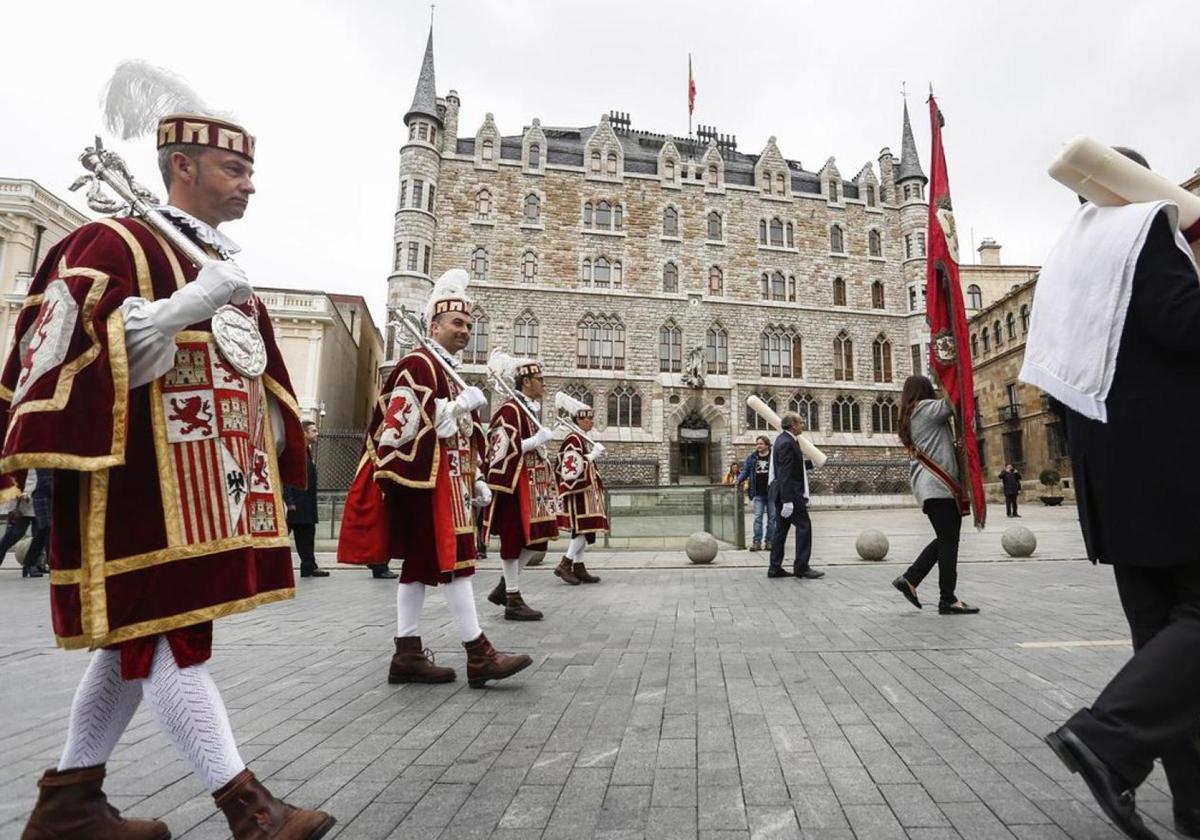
(693,372)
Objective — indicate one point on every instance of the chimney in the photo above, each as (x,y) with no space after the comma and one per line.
(989,252)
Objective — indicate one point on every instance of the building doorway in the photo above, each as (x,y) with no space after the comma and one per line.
(694,448)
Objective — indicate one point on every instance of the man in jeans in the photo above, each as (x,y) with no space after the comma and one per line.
(756,473)
(1011,480)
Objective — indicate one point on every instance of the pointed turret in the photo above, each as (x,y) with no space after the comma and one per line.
(910,164)
(425,98)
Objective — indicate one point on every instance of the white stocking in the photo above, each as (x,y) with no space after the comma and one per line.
(410,597)
(460,598)
(187,706)
(101,710)
(512,574)
(576,547)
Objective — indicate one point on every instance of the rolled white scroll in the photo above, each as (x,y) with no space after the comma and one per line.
(809,449)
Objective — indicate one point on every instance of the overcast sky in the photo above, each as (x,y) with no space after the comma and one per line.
(325,85)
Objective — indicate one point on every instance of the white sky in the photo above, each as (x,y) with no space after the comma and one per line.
(325,87)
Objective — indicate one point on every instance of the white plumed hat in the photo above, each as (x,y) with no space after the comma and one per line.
(449,295)
(567,404)
(509,367)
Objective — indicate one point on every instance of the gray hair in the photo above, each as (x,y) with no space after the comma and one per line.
(192,150)
(790,420)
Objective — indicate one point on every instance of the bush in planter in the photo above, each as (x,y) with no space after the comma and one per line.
(1050,478)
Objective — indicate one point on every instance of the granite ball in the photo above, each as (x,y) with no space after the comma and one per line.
(1018,541)
(872,545)
(701,547)
(21,549)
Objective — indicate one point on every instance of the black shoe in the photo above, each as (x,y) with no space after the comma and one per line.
(31,571)
(906,589)
(313,573)
(1113,794)
(778,573)
(1187,823)
(961,608)
(384,574)
(809,574)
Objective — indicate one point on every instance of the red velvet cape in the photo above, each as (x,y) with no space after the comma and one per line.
(580,488)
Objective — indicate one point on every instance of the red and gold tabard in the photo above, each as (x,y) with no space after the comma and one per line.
(167,497)
(526,493)
(585,509)
(411,497)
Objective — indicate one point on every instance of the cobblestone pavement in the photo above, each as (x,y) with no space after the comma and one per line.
(663,703)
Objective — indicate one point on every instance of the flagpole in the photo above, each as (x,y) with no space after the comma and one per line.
(689,96)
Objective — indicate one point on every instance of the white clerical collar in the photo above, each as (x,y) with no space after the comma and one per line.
(205,232)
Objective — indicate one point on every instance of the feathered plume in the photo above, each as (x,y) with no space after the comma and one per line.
(504,366)
(452,284)
(140,94)
(567,404)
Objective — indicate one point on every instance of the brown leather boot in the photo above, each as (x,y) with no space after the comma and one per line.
(254,814)
(496,596)
(517,610)
(485,663)
(563,570)
(411,664)
(582,574)
(71,804)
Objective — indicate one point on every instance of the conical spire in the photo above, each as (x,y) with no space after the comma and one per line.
(425,99)
(910,164)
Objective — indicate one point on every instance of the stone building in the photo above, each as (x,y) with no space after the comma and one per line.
(989,280)
(665,279)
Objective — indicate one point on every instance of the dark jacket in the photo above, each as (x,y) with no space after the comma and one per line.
(747,473)
(43,493)
(789,472)
(304,501)
(1135,475)
(1011,482)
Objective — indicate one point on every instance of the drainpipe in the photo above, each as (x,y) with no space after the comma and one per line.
(37,248)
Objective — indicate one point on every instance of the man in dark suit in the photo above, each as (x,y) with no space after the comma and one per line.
(1137,501)
(788,493)
(302,511)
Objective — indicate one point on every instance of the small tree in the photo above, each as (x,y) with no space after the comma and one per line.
(1050,478)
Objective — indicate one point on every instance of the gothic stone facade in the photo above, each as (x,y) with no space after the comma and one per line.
(628,262)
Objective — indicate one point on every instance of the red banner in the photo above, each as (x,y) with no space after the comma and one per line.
(691,88)
(949,348)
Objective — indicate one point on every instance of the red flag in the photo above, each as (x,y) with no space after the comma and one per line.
(691,88)
(949,348)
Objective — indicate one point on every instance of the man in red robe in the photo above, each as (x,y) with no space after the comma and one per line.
(524,511)
(413,495)
(169,466)
(585,511)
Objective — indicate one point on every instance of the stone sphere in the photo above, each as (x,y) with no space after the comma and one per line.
(21,549)
(536,559)
(701,547)
(1018,541)
(872,545)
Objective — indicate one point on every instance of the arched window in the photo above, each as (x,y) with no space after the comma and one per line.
(529,267)
(479,264)
(604,215)
(535,156)
(716,350)
(716,281)
(595,161)
(776,233)
(780,352)
(670,278)
(670,222)
(670,348)
(877,301)
(602,272)
(870,195)
(533,209)
(881,359)
(780,184)
(839,291)
(837,242)
(845,415)
(885,416)
(974,297)
(754,421)
(833,189)
(1024,317)
(791,239)
(587,215)
(581,393)
(476,351)
(843,357)
(987,341)
(488,150)
(612,163)
(762,231)
(624,407)
(600,343)
(766,183)
(714,176)
(874,244)
(974,346)
(774,286)
(996,334)
(525,334)
(808,409)
(714,226)
(669,170)
(618,217)
(1010,324)
(483,203)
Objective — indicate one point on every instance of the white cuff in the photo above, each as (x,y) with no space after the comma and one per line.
(150,353)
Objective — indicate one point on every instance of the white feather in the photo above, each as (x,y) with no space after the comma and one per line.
(503,365)
(567,404)
(452,284)
(140,94)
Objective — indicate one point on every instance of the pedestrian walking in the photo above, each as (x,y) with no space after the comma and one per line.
(788,492)
(302,510)
(756,473)
(1010,481)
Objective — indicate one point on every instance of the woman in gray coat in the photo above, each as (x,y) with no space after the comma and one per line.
(925,429)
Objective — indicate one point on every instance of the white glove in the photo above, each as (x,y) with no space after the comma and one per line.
(218,283)
(786,510)
(471,399)
(597,451)
(540,438)
(483,495)
(445,419)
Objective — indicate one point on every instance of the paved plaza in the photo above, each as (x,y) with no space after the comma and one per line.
(693,702)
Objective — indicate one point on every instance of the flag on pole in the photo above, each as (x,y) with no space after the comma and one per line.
(949,347)
(691,88)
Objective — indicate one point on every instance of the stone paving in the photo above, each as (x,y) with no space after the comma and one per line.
(701,702)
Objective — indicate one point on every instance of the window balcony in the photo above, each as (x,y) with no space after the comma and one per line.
(1010,413)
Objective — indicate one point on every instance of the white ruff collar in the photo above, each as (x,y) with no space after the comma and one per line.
(205,232)
(452,358)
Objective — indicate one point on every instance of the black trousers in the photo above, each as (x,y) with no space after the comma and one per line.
(1010,504)
(17,526)
(803,525)
(947,524)
(305,536)
(1151,708)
